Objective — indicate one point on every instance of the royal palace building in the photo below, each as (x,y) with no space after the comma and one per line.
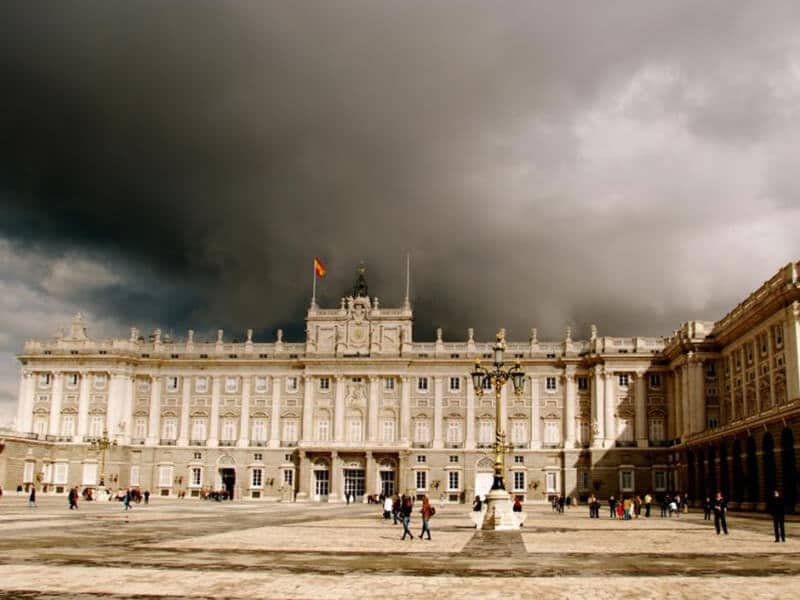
(362,408)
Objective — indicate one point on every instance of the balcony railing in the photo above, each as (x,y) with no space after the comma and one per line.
(197,442)
(288,443)
(454,445)
(485,445)
(227,443)
(421,445)
(167,442)
(258,443)
(625,444)
(660,443)
(137,442)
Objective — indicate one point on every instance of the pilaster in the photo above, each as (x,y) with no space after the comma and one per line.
(275,414)
(54,427)
(536,421)
(437,413)
(338,411)
(186,390)
(213,425)
(640,405)
(469,440)
(244,417)
(570,401)
(155,411)
(308,409)
(405,410)
(610,402)
(792,351)
(83,407)
(598,408)
(372,410)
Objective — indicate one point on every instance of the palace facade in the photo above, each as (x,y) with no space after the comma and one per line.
(361,407)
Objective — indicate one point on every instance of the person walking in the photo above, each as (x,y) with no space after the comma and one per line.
(648,501)
(612,508)
(427,513)
(147,496)
(777,509)
(32,497)
(126,500)
(707,509)
(387,507)
(396,510)
(720,507)
(664,505)
(406,506)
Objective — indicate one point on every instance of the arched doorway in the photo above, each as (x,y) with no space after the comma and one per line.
(724,482)
(738,480)
(321,478)
(484,476)
(690,476)
(789,469)
(387,477)
(768,461)
(751,487)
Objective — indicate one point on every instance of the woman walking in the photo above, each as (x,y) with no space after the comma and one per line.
(427,512)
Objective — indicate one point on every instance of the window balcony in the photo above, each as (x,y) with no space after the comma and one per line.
(625,444)
(164,442)
(197,442)
(485,445)
(454,445)
(660,443)
(519,444)
(289,443)
(421,445)
(227,443)
(258,443)
(137,442)
(551,445)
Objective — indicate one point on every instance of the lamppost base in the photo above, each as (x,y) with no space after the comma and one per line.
(500,515)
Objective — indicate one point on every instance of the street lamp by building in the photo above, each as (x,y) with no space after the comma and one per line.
(499,514)
(102,444)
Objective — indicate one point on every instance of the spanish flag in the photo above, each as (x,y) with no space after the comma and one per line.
(319,268)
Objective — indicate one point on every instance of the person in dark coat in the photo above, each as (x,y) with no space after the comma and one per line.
(707,509)
(406,508)
(32,497)
(612,507)
(777,509)
(720,506)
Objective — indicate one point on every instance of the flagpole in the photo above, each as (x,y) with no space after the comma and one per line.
(313,285)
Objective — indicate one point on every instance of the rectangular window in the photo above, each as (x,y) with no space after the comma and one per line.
(551,384)
(169,428)
(421,458)
(453,458)
(67,425)
(72,380)
(90,474)
(195,477)
(657,429)
(165,476)
(201,385)
(552,432)
(291,384)
(455,384)
(96,425)
(453,481)
(625,430)
(518,460)
(229,430)
(198,455)
(323,430)
(100,381)
(259,430)
(777,333)
(60,473)
(134,475)
(388,383)
(454,431)
(623,379)
(583,480)
(324,384)
(27,474)
(655,380)
(583,384)
(140,427)
(711,366)
(660,478)
(172,384)
(289,430)
(256,478)
(258,456)
(584,432)
(199,430)
(551,482)
(231,385)
(44,379)
(261,385)
(519,481)
(288,477)
(519,431)
(421,433)
(485,432)
(486,384)
(355,430)
(422,384)
(422,480)
(387,430)
(626,481)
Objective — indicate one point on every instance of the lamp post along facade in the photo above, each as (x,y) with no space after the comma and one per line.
(499,512)
(102,444)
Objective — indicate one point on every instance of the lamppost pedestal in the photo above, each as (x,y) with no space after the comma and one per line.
(500,515)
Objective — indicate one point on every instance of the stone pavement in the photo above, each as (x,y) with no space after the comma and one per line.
(199,549)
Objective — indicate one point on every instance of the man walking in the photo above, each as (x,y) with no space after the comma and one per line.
(32,497)
(126,501)
(778,511)
(612,507)
(406,506)
(720,507)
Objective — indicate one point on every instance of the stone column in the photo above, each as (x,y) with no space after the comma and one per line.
(213,426)
(275,414)
(700,396)
(685,402)
(469,440)
(303,475)
(83,408)
(307,434)
(669,396)
(114,403)
(437,413)
(610,401)
(371,474)
(244,417)
(54,427)
(372,410)
(771,358)
(640,405)
(536,421)
(791,343)
(338,410)
(183,432)
(153,431)
(27,383)
(570,402)
(598,408)
(405,410)
(127,412)
(335,493)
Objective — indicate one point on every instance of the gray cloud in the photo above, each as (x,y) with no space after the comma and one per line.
(627,163)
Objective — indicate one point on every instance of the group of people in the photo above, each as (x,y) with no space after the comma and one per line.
(400,509)
(629,507)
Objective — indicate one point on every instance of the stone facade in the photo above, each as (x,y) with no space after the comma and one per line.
(361,407)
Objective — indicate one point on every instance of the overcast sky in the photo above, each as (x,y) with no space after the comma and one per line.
(629,164)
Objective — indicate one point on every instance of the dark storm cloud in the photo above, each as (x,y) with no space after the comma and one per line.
(545,164)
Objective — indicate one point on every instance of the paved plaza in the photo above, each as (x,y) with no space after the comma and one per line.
(204,549)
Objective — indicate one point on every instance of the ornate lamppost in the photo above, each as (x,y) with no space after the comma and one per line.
(102,444)
(499,513)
